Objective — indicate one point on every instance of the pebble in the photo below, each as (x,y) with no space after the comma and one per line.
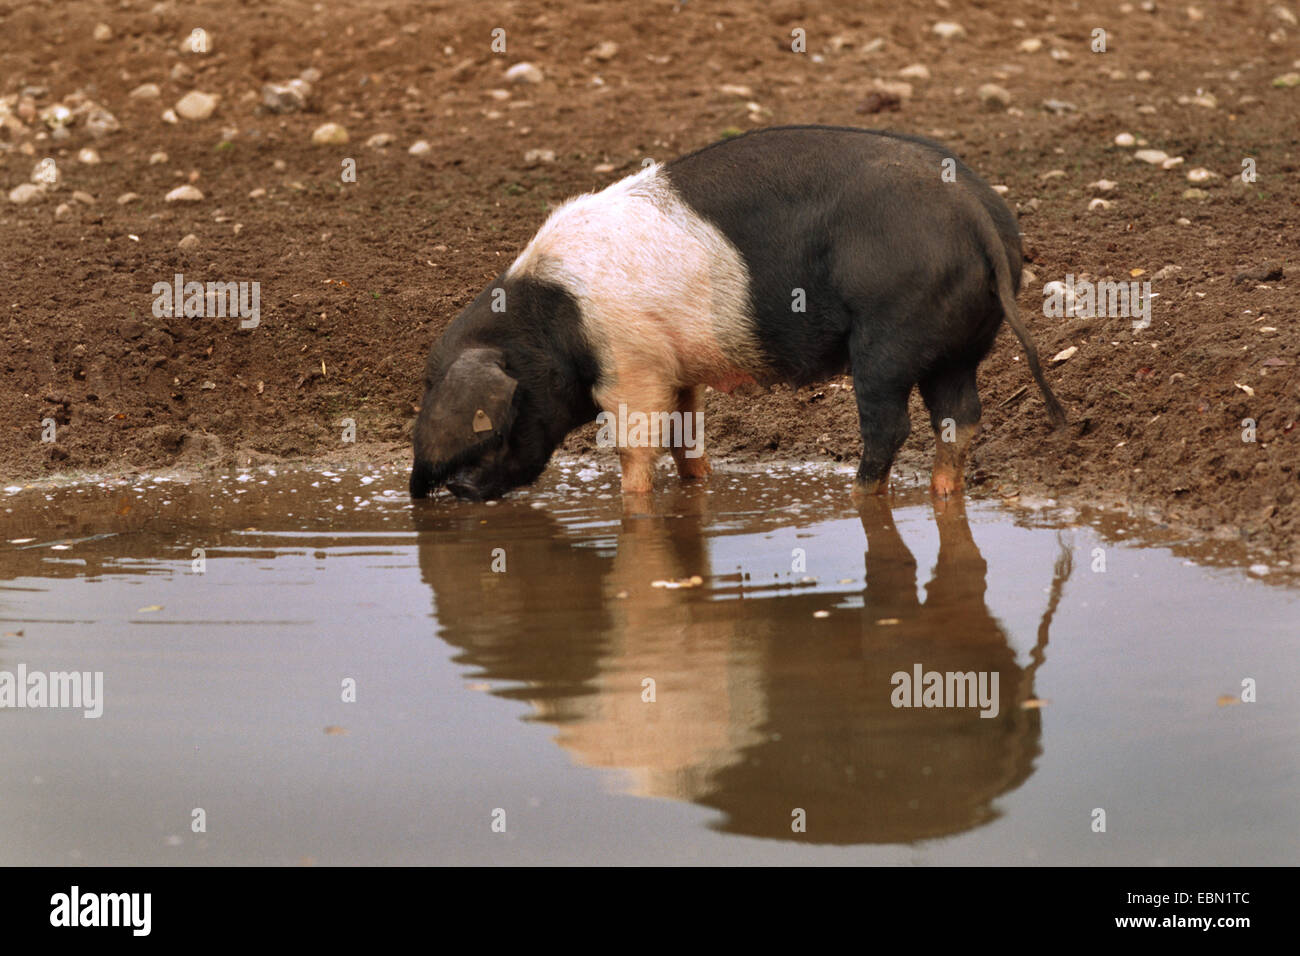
(102,33)
(420,148)
(603,168)
(184,193)
(1153,156)
(88,156)
(257,193)
(62,210)
(917,71)
(100,122)
(310,75)
(1032,45)
(1059,106)
(1099,203)
(605,51)
(1194,193)
(83,197)
(1103,185)
(158,158)
(329,134)
(46,173)
(947,30)
(203,41)
(736,89)
(56,116)
(1171,162)
(1064,355)
(1287,80)
(125,198)
(196,105)
(189,243)
(145,91)
(1201,175)
(169,116)
(26,193)
(994,97)
(524,73)
(380,140)
(1125,139)
(538,157)
(286,97)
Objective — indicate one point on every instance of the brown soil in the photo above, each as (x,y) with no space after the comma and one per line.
(357,279)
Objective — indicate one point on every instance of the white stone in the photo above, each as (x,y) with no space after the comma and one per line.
(27,193)
(524,73)
(196,105)
(185,193)
(1153,156)
(329,134)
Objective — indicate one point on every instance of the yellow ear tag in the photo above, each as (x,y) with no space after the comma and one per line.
(481,421)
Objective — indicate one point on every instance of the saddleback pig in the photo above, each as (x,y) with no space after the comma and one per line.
(788,254)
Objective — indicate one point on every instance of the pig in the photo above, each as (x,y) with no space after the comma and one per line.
(789,254)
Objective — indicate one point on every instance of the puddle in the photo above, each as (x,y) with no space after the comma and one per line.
(504,658)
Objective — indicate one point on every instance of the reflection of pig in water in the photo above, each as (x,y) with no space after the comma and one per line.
(789,254)
(755,714)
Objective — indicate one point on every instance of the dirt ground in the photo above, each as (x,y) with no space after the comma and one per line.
(357,279)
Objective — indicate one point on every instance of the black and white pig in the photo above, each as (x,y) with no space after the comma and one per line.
(788,254)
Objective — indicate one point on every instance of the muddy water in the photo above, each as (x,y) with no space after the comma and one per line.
(709,676)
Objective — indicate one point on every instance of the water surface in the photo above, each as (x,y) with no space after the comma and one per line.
(504,658)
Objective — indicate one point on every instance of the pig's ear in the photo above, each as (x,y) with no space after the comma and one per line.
(473,403)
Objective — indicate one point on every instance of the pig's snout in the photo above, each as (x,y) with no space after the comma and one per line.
(463,486)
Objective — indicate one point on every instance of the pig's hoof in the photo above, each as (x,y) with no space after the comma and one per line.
(945,485)
(694,469)
(863,490)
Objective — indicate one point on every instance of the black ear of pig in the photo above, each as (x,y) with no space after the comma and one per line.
(474,404)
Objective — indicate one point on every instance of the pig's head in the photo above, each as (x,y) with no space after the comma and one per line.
(501,392)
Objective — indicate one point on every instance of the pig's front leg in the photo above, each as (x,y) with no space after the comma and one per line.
(638,466)
(633,404)
(688,452)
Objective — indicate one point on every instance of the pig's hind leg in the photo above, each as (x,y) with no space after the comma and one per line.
(882,386)
(954,406)
(692,462)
